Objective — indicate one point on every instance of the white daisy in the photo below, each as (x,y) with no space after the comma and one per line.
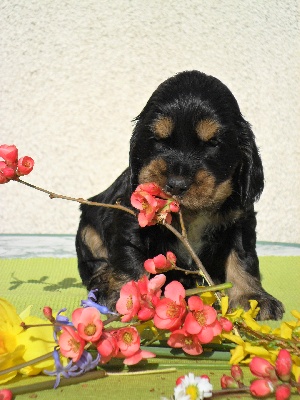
(193,388)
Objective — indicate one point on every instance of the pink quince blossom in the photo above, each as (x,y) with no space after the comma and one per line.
(171,310)
(237,373)
(7,171)
(283,365)
(160,263)
(88,323)
(262,368)
(261,387)
(25,165)
(128,304)
(190,344)
(138,356)
(150,292)
(9,153)
(283,392)
(202,320)
(70,343)
(128,341)
(6,394)
(153,209)
(107,347)
(228,382)
(226,324)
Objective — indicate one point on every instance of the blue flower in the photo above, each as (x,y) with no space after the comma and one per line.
(92,302)
(60,320)
(85,364)
(60,370)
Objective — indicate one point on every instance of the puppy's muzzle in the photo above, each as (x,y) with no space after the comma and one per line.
(177,185)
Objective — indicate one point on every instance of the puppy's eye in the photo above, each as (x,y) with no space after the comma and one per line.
(214,142)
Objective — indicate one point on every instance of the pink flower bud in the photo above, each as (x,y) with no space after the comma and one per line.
(283,365)
(9,153)
(5,394)
(47,311)
(179,380)
(8,172)
(174,206)
(171,257)
(226,324)
(25,165)
(237,373)
(205,377)
(283,392)
(227,382)
(3,178)
(262,368)
(261,387)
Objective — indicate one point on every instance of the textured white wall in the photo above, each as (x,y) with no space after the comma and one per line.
(75,73)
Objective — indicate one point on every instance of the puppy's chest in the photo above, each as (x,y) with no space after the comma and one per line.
(197,230)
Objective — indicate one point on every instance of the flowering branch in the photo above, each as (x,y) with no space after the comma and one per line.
(53,195)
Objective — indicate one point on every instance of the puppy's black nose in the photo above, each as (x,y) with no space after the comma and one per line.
(177,185)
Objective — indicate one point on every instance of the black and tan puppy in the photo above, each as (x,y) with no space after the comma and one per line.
(191,140)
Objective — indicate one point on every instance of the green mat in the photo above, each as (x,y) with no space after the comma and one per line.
(55,282)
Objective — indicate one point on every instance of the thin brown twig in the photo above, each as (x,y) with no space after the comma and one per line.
(181,236)
(53,195)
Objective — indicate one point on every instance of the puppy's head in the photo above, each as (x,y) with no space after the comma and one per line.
(192,140)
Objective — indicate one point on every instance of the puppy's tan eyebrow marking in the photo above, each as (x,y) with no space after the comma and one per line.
(163,127)
(206,129)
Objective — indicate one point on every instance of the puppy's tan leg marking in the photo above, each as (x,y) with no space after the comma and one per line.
(247,287)
(94,242)
(244,284)
(155,171)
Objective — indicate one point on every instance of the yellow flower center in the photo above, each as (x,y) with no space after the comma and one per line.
(74,345)
(127,338)
(192,391)
(90,329)
(200,317)
(172,310)
(129,303)
(188,341)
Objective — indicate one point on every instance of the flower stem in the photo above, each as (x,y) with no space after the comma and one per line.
(181,236)
(196,259)
(146,372)
(88,376)
(26,364)
(53,195)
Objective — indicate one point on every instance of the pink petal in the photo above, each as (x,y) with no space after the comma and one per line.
(191,325)
(206,334)
(160,261)
(175,291)
(195,303)
(210,314)
(157,282)
(149,265)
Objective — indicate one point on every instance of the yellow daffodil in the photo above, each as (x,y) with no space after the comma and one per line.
(19,345)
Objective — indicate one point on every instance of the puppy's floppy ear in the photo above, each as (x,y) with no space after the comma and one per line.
(250,173)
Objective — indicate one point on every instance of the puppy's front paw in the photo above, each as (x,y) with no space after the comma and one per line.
(270,308)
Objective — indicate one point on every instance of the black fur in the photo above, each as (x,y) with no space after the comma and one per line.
(192,140)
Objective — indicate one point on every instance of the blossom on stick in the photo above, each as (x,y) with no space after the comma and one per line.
(154,205)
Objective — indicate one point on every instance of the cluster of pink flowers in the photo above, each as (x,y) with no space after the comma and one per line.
(89,328)
(190,323)
(154,204)
(270,378)
(12,167)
